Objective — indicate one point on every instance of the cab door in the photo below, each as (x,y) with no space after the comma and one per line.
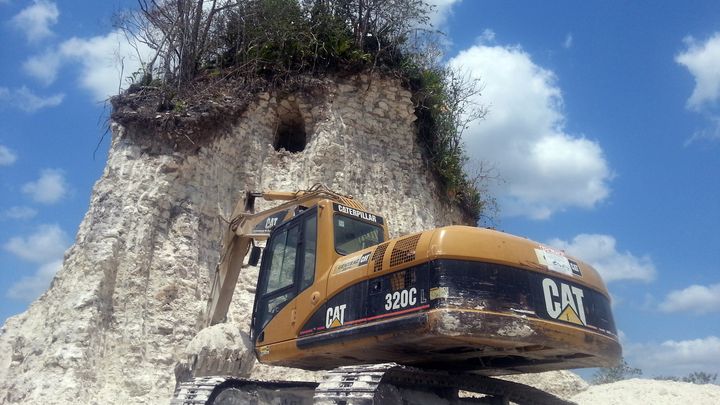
(287,270)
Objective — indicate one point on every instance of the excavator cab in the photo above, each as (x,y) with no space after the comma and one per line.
(295,263)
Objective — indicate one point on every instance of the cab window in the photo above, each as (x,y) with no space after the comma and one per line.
(309,248)
(283,250)
(353,234)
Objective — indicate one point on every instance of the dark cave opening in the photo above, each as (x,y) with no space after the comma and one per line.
(290,134)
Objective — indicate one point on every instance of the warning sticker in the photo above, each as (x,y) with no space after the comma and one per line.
(555,260)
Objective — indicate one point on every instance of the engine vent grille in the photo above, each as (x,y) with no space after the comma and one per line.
(378,256)
(404,250)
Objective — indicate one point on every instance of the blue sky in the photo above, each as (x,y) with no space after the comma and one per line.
(603,129)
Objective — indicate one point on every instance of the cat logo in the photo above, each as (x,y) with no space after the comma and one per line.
(364,259)
(335,316)
(565,302)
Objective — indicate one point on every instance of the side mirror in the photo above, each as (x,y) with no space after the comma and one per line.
(254,255)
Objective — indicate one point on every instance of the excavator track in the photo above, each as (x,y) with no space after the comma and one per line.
(390,383)
(228,390)
(379,384)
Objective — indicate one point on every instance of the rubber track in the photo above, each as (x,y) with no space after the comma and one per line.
(358,385)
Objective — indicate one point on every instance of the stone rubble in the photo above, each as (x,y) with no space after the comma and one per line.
(649,392)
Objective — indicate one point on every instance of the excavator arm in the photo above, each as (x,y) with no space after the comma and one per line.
(246,227)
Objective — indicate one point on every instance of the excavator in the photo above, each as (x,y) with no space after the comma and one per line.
(400,320)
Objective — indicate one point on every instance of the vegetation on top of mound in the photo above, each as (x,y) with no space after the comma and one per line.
(211,57)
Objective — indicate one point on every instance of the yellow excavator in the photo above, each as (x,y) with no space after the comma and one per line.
(432,312)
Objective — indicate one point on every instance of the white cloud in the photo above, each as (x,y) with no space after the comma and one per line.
(600,251)
(18,213)
(568,43)
(105,62)
(696,298)
(676,358)
(45,247)
(46,244)
(29,288)
(43,67)
(703,62)
(35,20)
(544,168)
(26,100)
(712,133)
(7,156)
(487,37)
(443,10)
(49,188)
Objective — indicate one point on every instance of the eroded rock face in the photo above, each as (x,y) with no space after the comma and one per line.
(132,289)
